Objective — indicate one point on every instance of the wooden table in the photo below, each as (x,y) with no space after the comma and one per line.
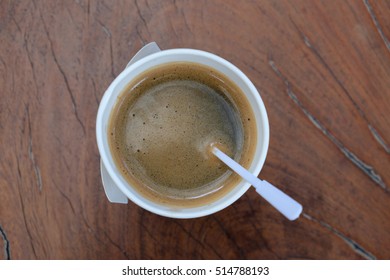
(323,70)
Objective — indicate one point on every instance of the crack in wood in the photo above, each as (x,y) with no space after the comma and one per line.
(139,35)
(142,235)
(59,67)
(112,58)
(174,29)
(32,67)
(16,23)
(141,17)
(88,11)
(116,245)
(360,110)
(104,27)
(109,35)
(70,16)
(28,56)
(259,231)
(7,250)
(197,240)
(170,22)
(87,224)
(367,169)
(183,16)
(376,23)
(156,241)
(352,243)
(65,197)
(23,208)
(229,237)
(94,92)
(93,232)
(37,171)
(203,233)
(379,139)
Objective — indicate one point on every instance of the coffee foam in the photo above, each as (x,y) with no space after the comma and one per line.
(163,124)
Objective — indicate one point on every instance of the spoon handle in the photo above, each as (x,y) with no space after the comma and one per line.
(286,205)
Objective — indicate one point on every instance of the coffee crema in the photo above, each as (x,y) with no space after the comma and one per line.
(163,124)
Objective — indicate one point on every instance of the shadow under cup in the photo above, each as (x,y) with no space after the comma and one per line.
(170,56)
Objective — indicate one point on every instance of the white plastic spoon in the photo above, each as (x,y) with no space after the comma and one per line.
(290,208)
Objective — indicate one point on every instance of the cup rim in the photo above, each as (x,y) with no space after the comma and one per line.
(195,212)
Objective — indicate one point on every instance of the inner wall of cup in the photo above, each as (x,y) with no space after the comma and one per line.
(222,66)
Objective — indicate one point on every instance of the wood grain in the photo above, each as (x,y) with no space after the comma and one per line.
(323,70)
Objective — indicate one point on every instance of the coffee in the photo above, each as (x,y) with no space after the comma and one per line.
(162,125)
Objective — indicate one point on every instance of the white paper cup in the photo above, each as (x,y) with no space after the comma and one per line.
(185,55)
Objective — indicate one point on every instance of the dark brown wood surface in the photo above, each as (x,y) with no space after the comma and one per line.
(323,70)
